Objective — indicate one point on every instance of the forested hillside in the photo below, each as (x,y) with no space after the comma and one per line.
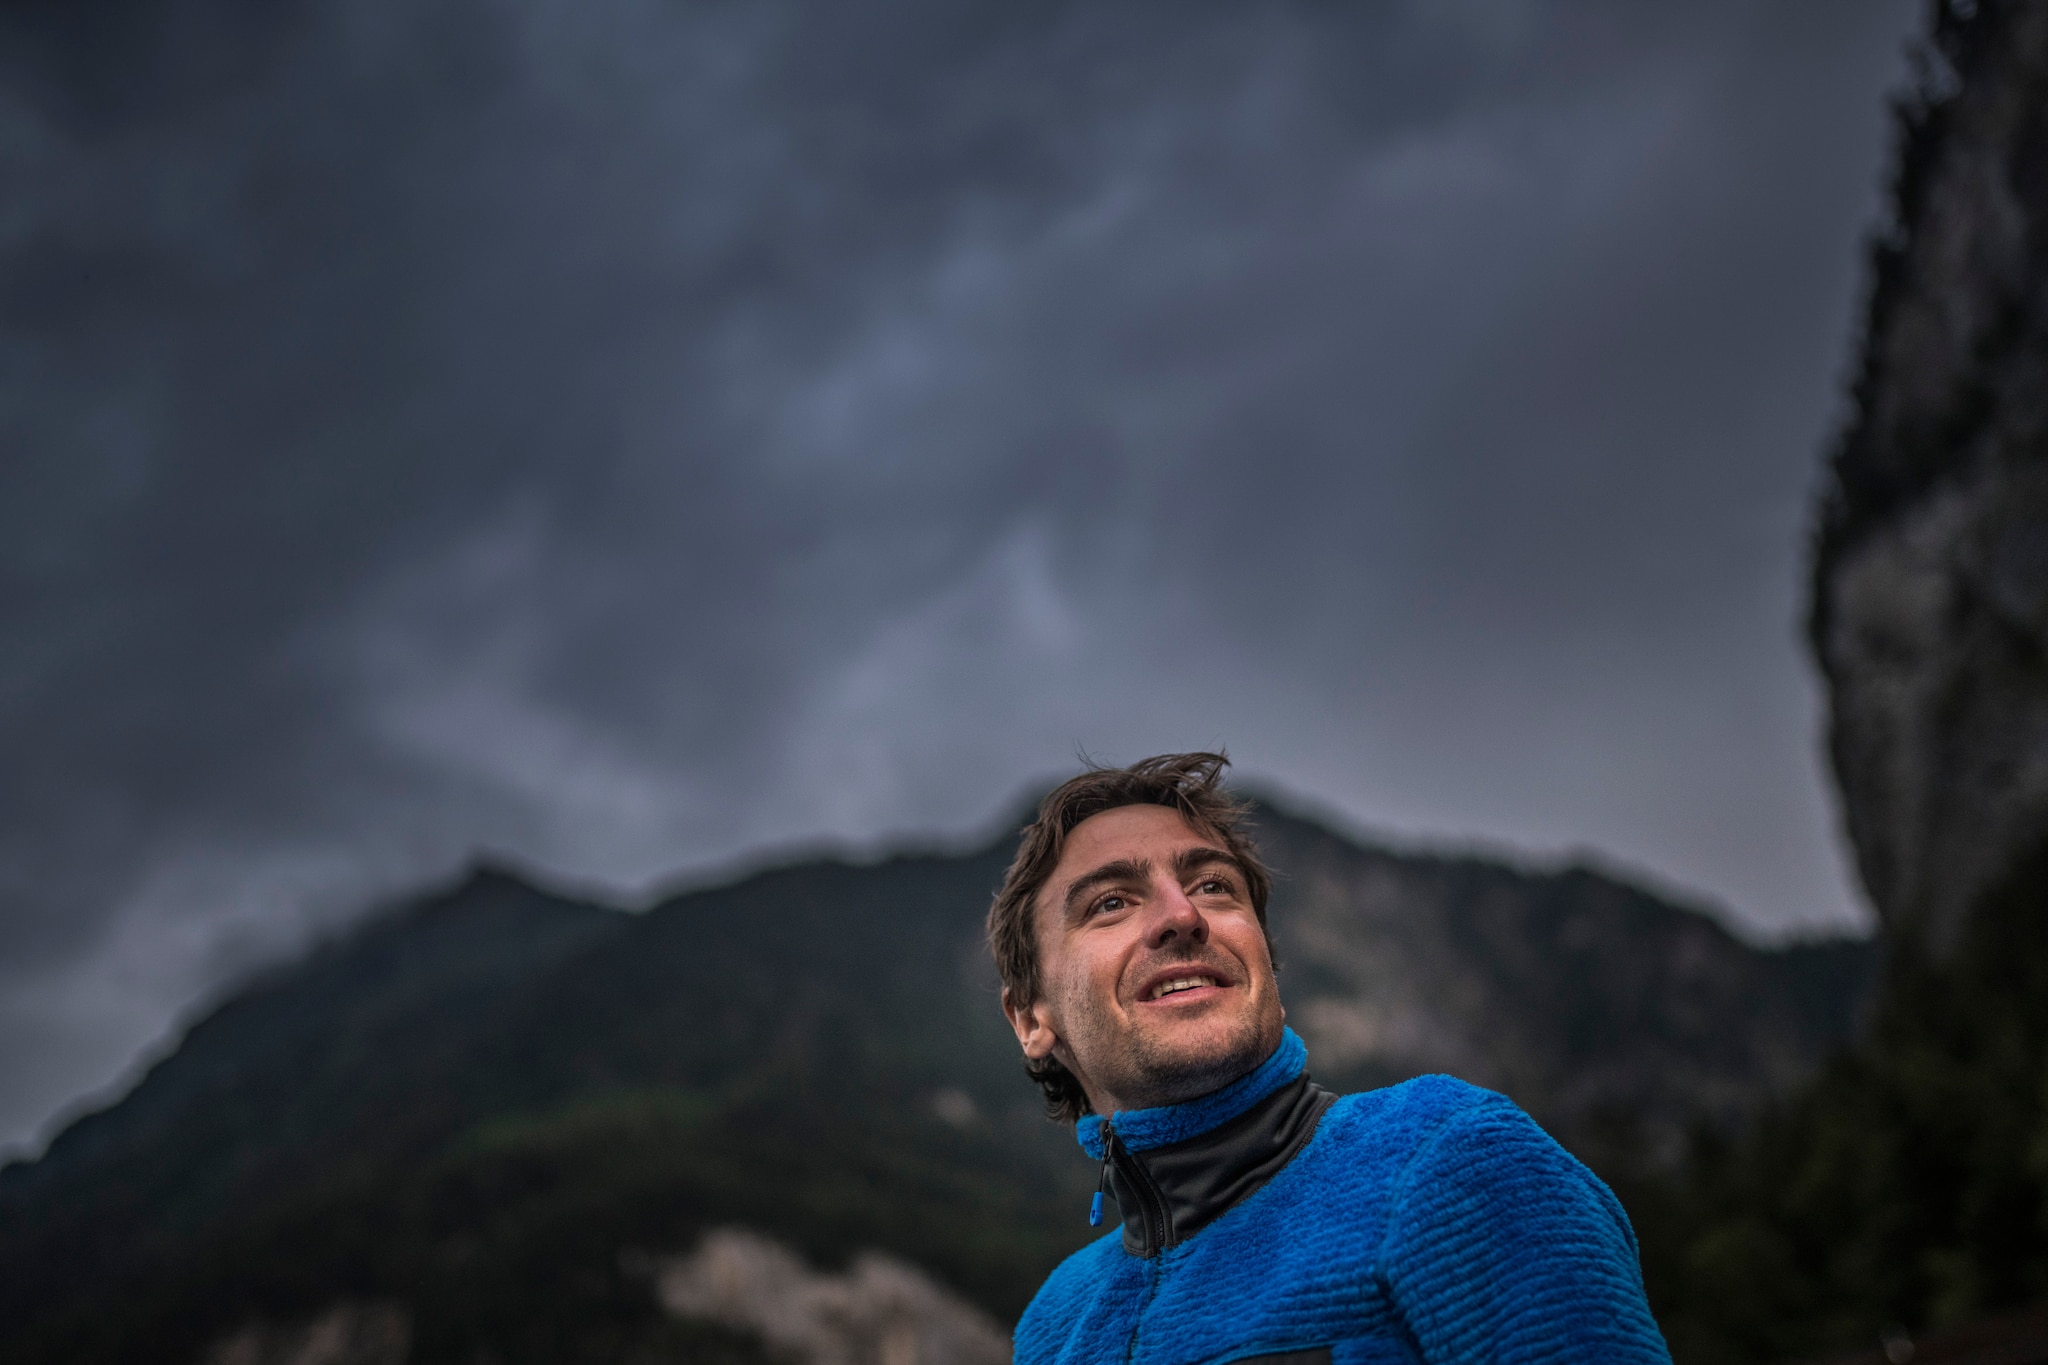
(497,1123)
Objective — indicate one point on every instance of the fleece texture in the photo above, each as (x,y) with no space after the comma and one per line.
(1427,1222)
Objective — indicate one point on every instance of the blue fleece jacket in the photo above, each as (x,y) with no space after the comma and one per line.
(1430,1221)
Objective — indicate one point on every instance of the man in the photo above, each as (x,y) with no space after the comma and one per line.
(1265,1219)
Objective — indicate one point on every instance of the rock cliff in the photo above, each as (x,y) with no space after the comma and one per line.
(1930,609)
(1905,1191)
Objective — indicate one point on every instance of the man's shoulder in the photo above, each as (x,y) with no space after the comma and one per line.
(1433,1128)
(1407,1115)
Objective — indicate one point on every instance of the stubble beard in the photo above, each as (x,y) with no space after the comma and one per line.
(1145,1068)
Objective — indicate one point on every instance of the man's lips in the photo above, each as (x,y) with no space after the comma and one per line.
(1187,982)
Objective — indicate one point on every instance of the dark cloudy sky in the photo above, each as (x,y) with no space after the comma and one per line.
(632,434)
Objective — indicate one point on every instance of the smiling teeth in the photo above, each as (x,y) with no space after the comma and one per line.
(1185,983)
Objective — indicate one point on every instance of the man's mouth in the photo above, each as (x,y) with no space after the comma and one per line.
(1179,984)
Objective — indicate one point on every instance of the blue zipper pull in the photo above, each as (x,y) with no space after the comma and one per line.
(1095,1208)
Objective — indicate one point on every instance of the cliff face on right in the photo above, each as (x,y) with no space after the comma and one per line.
(1905,1191)
(1930,609)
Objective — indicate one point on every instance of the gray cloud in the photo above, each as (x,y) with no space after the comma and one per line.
(626,434)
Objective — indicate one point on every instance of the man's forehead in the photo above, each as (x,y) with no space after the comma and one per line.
(1123,827)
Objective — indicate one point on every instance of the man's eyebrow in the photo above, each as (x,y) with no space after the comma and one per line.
(1185,863)
(1122,870)
(1189,860)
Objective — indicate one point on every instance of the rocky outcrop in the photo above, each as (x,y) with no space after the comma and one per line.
(1900,1195)
(881,1311)
(1930,611)
(345,1334)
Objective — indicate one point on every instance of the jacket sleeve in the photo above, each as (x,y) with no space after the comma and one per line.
(1502,1247)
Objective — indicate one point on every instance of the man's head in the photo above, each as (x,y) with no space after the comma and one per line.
(1130,934)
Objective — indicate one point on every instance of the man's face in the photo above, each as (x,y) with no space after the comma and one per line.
(1156,983)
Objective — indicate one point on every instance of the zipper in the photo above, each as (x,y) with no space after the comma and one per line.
(1151,1204)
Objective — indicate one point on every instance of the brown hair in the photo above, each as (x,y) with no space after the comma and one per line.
(1188,783)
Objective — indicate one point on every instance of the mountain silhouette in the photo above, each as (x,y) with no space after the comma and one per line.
(479,1126)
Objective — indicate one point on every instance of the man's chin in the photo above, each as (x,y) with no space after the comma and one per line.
(1180,1059)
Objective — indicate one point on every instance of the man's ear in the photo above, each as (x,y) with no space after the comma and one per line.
(1032,1024)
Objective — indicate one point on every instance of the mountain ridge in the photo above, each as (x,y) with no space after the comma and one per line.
(479,1101)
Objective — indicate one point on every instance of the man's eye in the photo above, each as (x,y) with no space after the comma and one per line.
(1109,905)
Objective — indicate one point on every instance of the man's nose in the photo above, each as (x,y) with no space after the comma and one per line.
(1175,916)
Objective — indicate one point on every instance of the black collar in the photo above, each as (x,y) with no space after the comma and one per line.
(1168,1194)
